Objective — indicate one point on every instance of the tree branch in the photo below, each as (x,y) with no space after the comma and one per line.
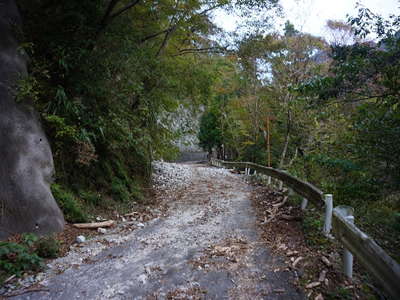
(202,50)
(165,40)
(211,8)
(110,8)
(109,15)
(149,37)
(353,100)
(123,9)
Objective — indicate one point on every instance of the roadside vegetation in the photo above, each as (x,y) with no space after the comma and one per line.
(325,110)
(105,76)
(25,255)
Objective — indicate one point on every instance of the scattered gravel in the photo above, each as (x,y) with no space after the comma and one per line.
(214,196)
(169,176)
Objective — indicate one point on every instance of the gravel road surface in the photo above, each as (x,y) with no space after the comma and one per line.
(205,246)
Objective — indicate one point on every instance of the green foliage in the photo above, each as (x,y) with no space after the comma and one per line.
(355,154)
(27,90)
(378,139)
(27,255)
(340,293)
(59,127)
(289,29)
(210,135)
(312,228)
(47,247)
(18,258)
(105,91)
(120,190)
(72,209)
(91,198)
(124,185)
(29,239)
(342,177)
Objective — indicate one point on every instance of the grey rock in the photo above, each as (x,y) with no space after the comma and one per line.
(80,239)
(26,161)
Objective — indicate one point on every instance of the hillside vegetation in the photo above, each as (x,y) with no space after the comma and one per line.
(105,76)
(326,110)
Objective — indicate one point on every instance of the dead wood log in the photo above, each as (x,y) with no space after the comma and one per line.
(108,223)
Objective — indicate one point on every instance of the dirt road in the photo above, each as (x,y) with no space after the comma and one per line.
(205,247)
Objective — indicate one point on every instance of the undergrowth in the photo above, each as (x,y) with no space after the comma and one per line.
(26,255)
(312,227)
(70,205)
(102,188)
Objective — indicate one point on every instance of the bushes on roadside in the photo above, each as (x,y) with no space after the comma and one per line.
(72,209)
(26,255)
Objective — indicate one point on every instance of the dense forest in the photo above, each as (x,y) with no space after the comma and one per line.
(105,76)
(326,110)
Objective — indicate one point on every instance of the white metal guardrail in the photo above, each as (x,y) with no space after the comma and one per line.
(341,220)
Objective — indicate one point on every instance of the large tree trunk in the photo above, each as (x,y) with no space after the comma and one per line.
(26,162)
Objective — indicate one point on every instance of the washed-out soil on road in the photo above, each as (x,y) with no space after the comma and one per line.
(206,246)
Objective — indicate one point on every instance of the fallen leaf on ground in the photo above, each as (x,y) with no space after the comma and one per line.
(319,297)
(322,276)
(313,285)
(297,261)
(325,261)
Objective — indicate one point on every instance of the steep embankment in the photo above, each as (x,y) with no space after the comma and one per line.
(202,243)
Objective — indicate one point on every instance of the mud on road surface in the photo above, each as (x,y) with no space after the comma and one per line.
(206,246)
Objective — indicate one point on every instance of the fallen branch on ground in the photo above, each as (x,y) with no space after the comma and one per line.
(108,223)
(28,290)
(290,218)
(280,204)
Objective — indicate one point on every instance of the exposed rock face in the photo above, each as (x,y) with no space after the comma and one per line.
(26,162)
(186,122)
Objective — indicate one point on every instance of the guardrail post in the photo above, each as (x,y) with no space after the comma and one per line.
(328,214)
(304,203)
(269,180)
(280,185)
(281,182)
(348,256)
